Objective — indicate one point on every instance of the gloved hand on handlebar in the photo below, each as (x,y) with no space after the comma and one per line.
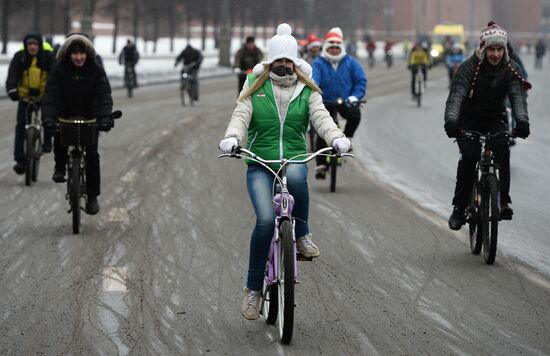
(352,99)
(227,144)
(105,124)
(522,129)
(14,95)
(341,144)
(48,123)
(453,130)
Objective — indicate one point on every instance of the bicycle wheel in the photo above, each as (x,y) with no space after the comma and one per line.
(183,89)
(270,307)
(74,187)
(491,218)
(419,92)
(333,167)
(286,282)
(31,140)
(474,224)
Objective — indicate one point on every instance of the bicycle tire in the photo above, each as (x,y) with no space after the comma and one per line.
(419,93)
(183,89)
(31,136)
(490,235)
(130,94)
(333,168)
(74,186)
(192,92)
(476,237)
(270,307)
(287,257)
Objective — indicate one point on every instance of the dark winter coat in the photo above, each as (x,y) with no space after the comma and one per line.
(77,91)
(129,55)
(190,55)
(487,104)
(22,61)
(246,60)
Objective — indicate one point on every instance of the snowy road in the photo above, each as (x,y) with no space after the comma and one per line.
(160,270)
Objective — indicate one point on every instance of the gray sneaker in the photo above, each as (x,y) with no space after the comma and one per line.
(252,304)
(306,247)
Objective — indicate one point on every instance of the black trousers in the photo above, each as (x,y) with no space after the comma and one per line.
(19,150)
(352,114)
(93,177)
(242,79)
(469,154)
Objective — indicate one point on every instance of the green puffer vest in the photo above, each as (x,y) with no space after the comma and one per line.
(267,136)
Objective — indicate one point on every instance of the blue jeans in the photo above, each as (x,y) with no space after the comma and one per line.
(259,182)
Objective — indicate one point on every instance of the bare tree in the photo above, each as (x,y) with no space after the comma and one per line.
(67,16)
(5,23)
(115,8)
(87,17)
(225,34)
(135,19)
(171,23)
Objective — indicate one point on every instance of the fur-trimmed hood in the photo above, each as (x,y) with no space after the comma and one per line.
(74,39)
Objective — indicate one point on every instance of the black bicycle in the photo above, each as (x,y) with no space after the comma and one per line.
(189,84)
(333,161)
(129,79)
(483,212)
(418,84)
(77,133)
(34,134)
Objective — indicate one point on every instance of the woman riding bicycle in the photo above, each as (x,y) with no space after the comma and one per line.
(78,87)
(277,102)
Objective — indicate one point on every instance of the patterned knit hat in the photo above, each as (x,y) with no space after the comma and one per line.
(493,35)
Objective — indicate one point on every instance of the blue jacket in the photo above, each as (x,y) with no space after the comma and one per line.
(349,78)
(454,58)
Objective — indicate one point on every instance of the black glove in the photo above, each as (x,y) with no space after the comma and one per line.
(452,129)
(522,129)
(49,124)
(105,124)
(14,95)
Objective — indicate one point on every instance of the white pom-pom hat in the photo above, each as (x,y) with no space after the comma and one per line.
(282,45)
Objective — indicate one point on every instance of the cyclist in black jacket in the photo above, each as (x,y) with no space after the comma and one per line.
(78,86)
(189,56)
(476,101)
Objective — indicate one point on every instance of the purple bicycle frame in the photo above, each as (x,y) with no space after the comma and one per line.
(283,203)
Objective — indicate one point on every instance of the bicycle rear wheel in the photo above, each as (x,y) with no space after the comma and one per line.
(74,187)
(419,92)
(286,282)
(474,224)
(270,307)
(333,167)
(490,221)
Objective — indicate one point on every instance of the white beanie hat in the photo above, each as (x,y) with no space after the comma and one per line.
(282,45)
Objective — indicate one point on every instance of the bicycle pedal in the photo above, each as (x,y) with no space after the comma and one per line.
(301,257)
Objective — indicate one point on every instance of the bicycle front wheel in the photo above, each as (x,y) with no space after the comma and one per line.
(475,224)
(333,166)
(419,93)
(285,291)
(32,141)
(183,90)
(74,187)
(491,217)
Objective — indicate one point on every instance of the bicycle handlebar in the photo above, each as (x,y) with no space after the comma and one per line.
(238,150)
(341,101)
(472,134)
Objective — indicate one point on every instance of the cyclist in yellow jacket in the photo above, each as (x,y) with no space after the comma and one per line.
(418,59)
(27,76)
